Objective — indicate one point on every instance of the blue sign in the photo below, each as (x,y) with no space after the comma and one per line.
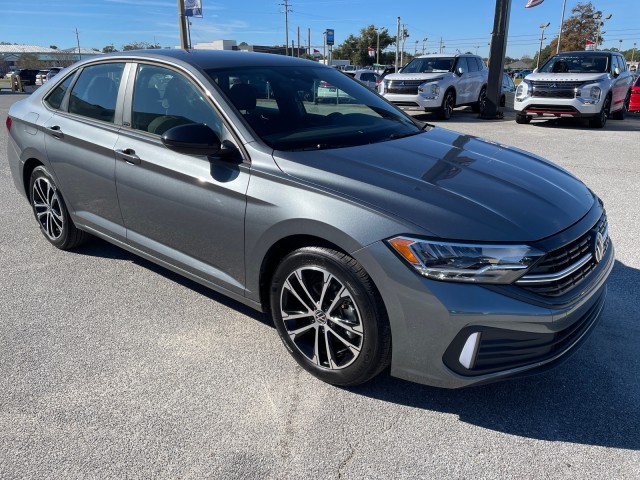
(329,36)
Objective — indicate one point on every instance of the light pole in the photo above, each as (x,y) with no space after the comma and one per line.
(324,45)
(564,4)
(542,27)
(377,29)
(633,54)
(415,50)
(597,16)
(424,43)
(620,47)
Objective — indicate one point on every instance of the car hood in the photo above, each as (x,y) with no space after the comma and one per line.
(416,76)
(566,77)
(451,185)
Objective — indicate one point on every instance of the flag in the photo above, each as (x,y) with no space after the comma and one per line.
(193,8)
(589,45)
(372,52)
(533,3)
(316,51)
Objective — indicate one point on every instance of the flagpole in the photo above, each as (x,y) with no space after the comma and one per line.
(564,4)
(184,42)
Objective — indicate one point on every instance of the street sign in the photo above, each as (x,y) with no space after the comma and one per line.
(329,36)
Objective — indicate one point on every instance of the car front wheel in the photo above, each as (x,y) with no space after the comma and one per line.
(51,212)
(522,119)
(448,102)
(601,120)
(622,113)
(330,316)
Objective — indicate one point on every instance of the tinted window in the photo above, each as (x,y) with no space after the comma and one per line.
(310,108)
(95,93)
(596,63)
(429,65)
(54,99)
(462,63)
(480,63)
(163,98)
(473,65)
(368,77)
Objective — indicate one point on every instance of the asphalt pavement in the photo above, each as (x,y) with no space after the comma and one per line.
(112,367)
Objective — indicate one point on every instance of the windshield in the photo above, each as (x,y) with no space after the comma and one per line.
(310,108)
(429,65)
(577,64)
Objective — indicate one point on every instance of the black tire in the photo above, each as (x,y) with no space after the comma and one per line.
(523,119)
(51,212)
(340,333)
(622,113)
(479,106)
(601,120)
(448,103)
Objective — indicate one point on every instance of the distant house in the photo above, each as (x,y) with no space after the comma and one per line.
(519,65)
(51,57)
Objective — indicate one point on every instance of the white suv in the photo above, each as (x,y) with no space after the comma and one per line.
(438,83)
(588,84)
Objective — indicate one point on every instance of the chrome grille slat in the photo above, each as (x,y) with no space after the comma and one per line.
(565,267)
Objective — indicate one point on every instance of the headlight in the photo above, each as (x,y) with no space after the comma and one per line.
(382,87)
(430,90)
(523,91)
(462,262)
(589,94)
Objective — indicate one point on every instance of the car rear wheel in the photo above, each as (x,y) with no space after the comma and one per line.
(522,119)
(448,102)
(601,120)
(330,317)
(622,113)
(51,212)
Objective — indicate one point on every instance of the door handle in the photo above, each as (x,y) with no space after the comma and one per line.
(129,156)
(56,131)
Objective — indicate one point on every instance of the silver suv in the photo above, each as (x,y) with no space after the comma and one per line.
(438,83)
(589,84)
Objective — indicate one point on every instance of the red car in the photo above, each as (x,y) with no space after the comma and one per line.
(634,103)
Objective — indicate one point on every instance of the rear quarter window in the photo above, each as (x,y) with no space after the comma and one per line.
(54,99)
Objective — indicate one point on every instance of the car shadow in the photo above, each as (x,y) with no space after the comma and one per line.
(97,247)
(590,399)
(630,124)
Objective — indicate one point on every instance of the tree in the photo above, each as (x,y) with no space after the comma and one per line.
(54,47)
(109,49)
(356,49)
(30,60)
(140,46)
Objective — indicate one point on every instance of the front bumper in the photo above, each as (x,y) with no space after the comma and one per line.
(414,102)
(557,107)
(433,324)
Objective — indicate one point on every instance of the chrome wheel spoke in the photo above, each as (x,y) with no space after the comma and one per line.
(355,329)
(355,349)
(293,292)
(298,274)
(330,357)
(294,333)
(295,316)
(316,349)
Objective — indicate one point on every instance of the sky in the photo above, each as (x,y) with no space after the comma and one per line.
(463,25)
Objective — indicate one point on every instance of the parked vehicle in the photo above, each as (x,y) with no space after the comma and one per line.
(508,91)
(438,83)
(634,101)
(368,78)
(53,71)
(41,77)
(27,76)
(370,237)
(588,84)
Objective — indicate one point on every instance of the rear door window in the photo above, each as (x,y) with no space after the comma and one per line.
(96,92)
(54,99)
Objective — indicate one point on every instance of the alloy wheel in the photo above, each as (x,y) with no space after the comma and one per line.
(321,317)
(47,208)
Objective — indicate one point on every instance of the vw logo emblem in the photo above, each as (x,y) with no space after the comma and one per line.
(598,247)
(320,317)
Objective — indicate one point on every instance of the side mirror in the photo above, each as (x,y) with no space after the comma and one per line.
(192,139)
(459,71)
(616,72)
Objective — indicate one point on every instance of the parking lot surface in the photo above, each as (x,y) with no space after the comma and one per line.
(113,367)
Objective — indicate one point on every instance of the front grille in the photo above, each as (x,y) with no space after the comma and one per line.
(555,89)
(500,349)
(404,87)
(556,109)
(566,267)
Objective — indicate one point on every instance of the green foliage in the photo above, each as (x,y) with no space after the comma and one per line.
(30,60)
(356,48)
(139,46)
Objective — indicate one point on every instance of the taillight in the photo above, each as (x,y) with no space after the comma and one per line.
(9,122)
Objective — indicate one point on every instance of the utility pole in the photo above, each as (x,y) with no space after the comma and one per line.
(182,20)
(298,41)
(404,37)
(497,52)
(424,43)
(309,41)
(633,55)
(78,40)
(564,4)
(397,45)
(286,26)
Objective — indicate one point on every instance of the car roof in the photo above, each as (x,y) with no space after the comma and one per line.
(205,59)
(582,53)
